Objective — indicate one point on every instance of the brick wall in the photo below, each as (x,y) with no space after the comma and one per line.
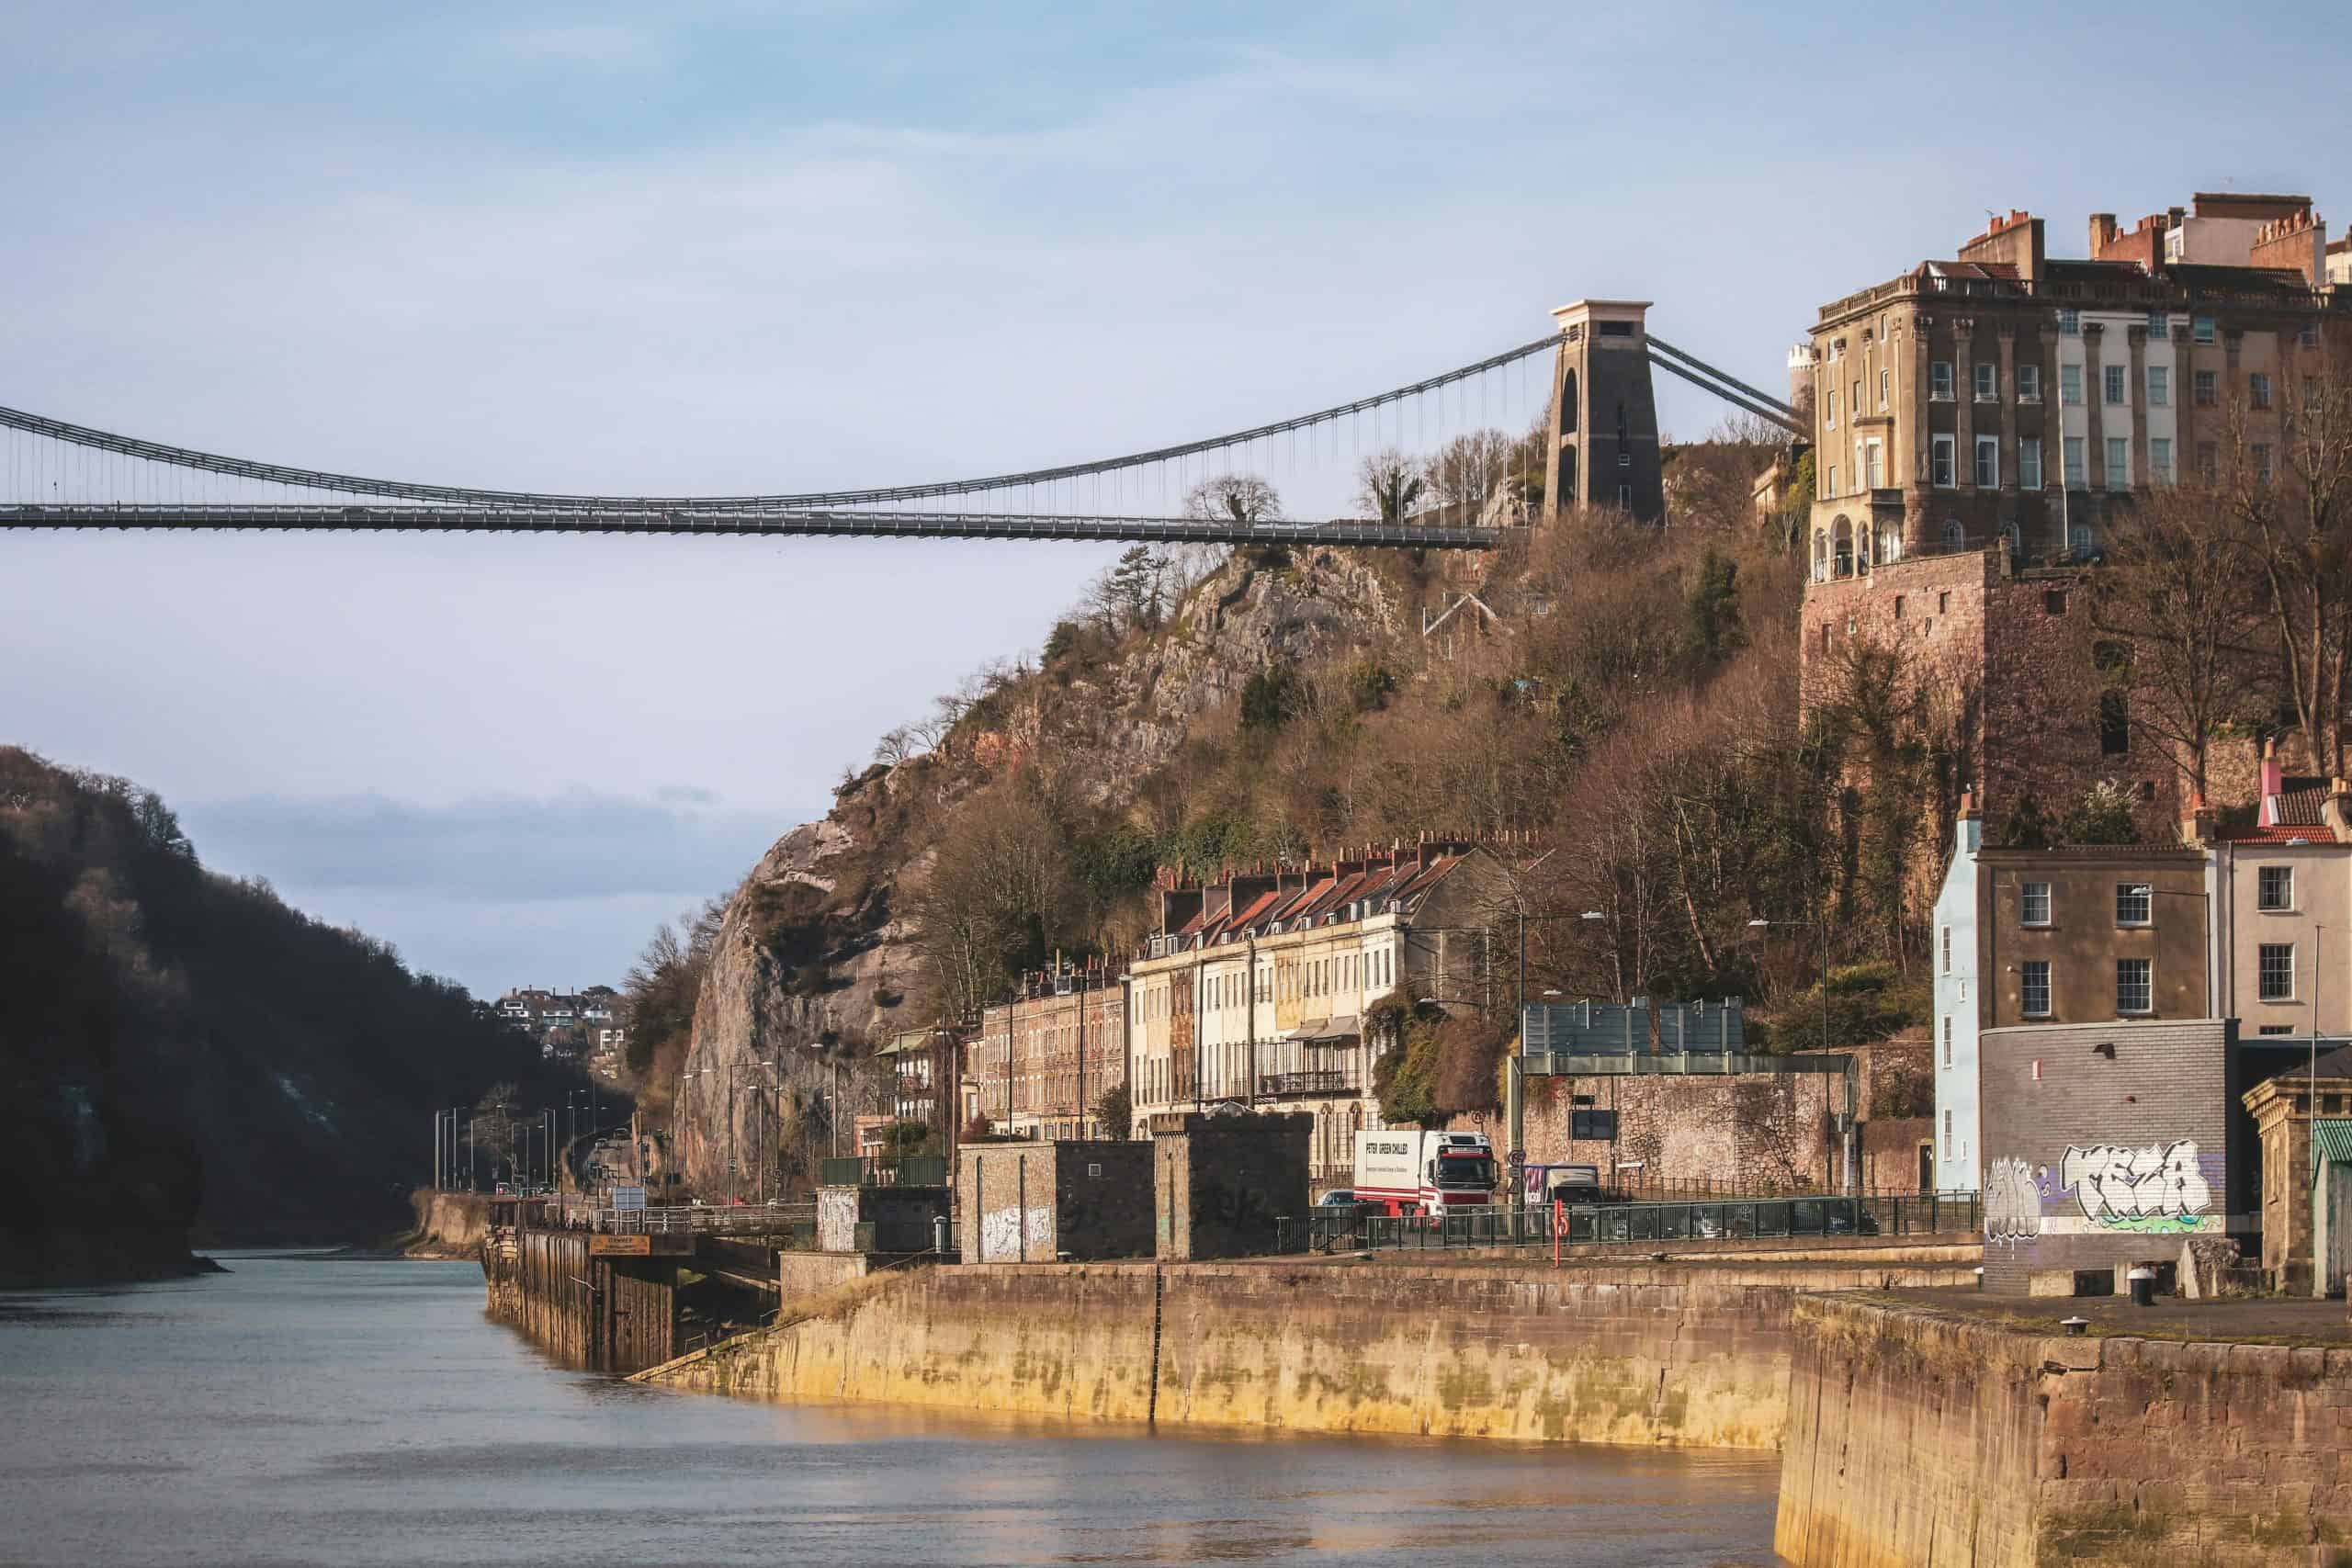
(1031,1203)
(1221,1182)
(2106,1144)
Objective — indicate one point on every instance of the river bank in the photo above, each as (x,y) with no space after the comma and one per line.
(54,1259)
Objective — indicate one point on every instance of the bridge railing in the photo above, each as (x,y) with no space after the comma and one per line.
(686,1219)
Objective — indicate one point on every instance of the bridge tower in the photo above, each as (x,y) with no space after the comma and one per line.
(1604,412)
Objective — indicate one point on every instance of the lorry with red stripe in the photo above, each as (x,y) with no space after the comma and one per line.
(1406,1171)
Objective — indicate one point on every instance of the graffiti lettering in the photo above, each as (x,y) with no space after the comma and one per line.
(1001,1235)
(2158,1188)
(2012,1201)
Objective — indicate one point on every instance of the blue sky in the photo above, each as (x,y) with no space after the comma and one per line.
(787,246)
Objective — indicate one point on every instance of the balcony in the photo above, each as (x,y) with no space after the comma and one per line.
(1320,1082)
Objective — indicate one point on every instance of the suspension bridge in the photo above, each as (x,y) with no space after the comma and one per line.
(70,475)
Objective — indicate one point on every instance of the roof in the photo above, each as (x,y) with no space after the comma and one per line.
(2332,1140)
(2280,833)
(2300,807)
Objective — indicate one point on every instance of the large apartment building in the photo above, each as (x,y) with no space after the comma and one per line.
(1042,1062)
(1257,987)
(1977,419)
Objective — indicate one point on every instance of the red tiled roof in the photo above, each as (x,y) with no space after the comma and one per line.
(2300,808)
(2281,833)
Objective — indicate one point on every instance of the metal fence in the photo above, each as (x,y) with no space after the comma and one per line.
(883,1170)
(1722,1221)
(682,1219)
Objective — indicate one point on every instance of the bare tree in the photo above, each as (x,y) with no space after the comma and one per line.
(1391,486)
(2295,507)
(1467,472)
(989,903)
(2178,615)
(1233,498)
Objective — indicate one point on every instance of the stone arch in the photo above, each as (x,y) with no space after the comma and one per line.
(1841,544)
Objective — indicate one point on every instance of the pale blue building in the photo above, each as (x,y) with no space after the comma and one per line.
(1959,1149)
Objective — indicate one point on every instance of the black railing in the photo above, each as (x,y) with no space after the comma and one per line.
(1318,1081)
(883,1170)
(1709,1224)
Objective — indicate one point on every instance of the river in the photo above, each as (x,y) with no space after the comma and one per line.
(311,1410)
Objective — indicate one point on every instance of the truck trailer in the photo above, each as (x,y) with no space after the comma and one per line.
(1410,1172)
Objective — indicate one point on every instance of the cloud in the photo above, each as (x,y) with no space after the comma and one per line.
(579,844)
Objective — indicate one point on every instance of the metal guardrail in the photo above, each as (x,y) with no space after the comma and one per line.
(1715,1220)
(684,1219)
(883,1170)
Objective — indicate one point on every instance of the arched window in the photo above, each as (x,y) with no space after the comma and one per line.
(1841,538)
(2078,538)
(2014,537)
(1954,536)
(1568,402)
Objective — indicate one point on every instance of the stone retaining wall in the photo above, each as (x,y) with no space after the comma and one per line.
(1929,1439)
(1616,1353)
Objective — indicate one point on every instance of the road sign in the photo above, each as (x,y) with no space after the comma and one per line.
(628,1197)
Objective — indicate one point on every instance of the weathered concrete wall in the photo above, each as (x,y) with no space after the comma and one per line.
(448,1224)
(1925,1439)
(1029,1202)
(1631,1353)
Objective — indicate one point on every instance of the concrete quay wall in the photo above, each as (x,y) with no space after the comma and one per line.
(1631,1353)
(1930,1439)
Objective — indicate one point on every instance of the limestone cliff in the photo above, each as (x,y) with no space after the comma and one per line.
(812,943)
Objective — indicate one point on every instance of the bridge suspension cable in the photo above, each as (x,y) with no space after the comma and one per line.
(462,495)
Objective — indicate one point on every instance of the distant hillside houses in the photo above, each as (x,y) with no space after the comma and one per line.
(581,1026)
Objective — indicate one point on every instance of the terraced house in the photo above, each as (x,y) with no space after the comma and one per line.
(1257,988)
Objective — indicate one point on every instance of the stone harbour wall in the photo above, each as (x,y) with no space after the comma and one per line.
(1929,1440)
(1633,1353)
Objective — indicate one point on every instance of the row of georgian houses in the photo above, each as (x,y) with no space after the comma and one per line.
(1254,992)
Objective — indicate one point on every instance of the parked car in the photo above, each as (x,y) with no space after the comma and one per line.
(1338,1198)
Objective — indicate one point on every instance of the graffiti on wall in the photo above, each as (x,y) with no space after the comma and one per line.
(2012,1201)
(1004,1238)
(2157,1187)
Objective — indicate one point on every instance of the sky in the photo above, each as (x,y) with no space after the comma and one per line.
(786,246)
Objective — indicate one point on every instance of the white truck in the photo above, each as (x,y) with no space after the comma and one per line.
(1411,1172)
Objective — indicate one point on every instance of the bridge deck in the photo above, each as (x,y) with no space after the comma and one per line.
(1338,533)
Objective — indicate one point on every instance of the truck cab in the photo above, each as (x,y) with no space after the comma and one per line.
(1425,1173)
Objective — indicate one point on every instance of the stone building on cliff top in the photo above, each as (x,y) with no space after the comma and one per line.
(1977,421)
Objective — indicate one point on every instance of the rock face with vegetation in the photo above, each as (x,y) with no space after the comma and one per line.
(1617,702)
(190,1059)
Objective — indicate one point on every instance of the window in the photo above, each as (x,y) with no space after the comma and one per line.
(2074,450)
(2159,386)
(1954,536)
(1598,1125)
(2159,460)
(1988,462)
(1856,404)
(2135,903)
(2276,888)
(2257,389)
(2029,383)
(2115,722)
(1877,465)
(1988,383)
(2118,462)
(1832,409)
(2310,394)
(1940,461)
(2262,461)
(2029,463)
(2308,335)
(2275,1028)
(2209,468)
(2053,601)
(2204,329)
(2070,384)
(1947,949)
(2203,390)
(2159,325)
(2070,323)
(1947,1135)
(2275,972)
(2079,537)
(1886,388)
(2033,988)
(2112,379)
(2135,986)
(2033,904)
(1940,381)
(1833,479)
(1625,497)
(1947,1040)
(1943,604)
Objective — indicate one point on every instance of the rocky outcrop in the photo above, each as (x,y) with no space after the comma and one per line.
(811,945)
